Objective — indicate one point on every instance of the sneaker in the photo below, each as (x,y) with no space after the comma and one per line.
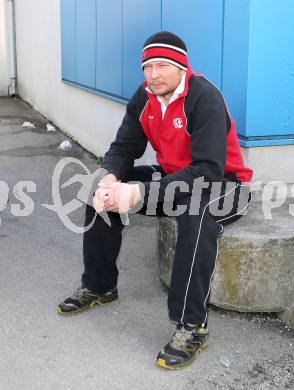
(83,299)
(186,344)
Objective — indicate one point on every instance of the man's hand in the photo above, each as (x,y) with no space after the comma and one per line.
(101,194)
(118,197)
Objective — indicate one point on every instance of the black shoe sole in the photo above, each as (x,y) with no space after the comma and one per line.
(98,302)
(162,364)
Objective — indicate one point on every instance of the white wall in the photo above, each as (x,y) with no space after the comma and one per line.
(4,77)
(88,118)
(271,163)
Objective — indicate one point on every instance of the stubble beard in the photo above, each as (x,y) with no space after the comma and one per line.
(165,95)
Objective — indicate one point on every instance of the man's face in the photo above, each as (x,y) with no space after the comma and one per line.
(162,77)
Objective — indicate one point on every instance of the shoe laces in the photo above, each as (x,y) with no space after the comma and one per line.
(181,337)
(82,293)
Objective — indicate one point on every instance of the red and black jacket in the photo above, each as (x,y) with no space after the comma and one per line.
(196,138)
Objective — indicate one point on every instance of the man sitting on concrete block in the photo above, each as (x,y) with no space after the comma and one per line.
(199,164)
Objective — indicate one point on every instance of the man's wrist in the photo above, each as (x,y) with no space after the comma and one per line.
(107,180)
(111,176)
(136,195)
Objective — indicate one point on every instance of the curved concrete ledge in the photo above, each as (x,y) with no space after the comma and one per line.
(255,266)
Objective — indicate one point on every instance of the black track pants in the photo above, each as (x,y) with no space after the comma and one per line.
(196,248)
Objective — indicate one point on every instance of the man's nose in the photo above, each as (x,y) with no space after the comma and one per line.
(154,73)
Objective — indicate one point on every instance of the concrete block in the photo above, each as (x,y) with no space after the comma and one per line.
(287,316)
(255,265)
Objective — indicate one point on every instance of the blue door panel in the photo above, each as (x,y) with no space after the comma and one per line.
(140,20)
(235,59)
(199,23)
(109,46)
(68,39)
(270,107)
(86,42)
(243,46)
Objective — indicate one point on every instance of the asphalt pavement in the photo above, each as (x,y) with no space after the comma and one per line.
(110,347)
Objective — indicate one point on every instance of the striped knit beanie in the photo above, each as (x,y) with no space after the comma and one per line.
(165,46)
